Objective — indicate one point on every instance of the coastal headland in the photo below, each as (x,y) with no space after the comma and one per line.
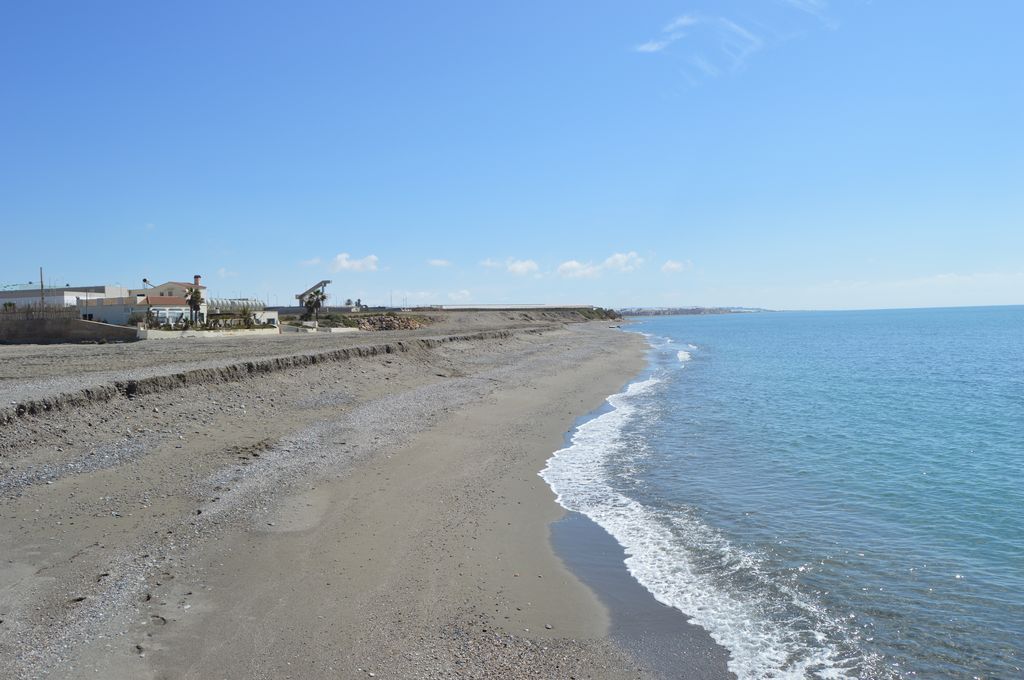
(334,506)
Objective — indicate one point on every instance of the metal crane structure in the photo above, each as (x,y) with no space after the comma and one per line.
(301,297)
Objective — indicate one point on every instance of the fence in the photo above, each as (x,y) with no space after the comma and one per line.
(37,311)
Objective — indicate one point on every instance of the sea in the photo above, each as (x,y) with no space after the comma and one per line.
(828,494)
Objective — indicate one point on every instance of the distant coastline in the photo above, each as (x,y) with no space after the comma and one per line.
(687,311)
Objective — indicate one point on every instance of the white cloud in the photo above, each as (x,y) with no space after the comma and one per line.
(225,274)
(675,266)
(343,261)
(313,261)
(574,269)
(439,263)
(490,263)
(520,267)
(459,295)
(624,262)
(619,262)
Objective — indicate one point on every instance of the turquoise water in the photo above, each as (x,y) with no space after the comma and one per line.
(830,494)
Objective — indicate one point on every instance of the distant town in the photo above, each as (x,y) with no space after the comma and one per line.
(682,311)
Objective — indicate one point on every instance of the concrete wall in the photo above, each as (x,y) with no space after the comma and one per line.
(48,331)
(121,310)
(113,311)
(174,335)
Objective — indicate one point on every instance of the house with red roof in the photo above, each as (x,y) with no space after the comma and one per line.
(167,303)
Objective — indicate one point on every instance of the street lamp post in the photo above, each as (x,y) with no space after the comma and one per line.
(149,303)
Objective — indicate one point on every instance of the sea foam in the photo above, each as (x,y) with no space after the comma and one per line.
(659,560)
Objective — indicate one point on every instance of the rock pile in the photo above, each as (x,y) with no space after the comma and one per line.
(385,322)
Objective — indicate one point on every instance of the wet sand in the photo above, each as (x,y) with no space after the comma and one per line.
(663,637)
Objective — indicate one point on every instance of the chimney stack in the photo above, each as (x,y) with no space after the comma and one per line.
(197,280)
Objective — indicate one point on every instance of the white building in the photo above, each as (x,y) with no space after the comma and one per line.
(165,309)
(233,308)
(68,296)
(166,303)
(171,289)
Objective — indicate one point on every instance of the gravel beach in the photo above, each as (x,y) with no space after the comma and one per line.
(356,513)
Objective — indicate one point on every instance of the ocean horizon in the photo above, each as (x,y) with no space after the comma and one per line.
(828,494)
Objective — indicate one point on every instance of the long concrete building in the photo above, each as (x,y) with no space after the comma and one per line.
(68,296)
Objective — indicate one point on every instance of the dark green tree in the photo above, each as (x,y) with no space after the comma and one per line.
(314,301)
(194,298)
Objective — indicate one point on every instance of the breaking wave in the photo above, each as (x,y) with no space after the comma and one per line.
(770,629)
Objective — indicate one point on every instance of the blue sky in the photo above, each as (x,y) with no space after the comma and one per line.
(777,153)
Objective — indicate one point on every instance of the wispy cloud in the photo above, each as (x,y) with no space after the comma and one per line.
(521,267)
(490,263)
(705,66)
(680,22)
(738,42)
(710,46)
(414,295)
(818,9)
(224,273)
(311,262)
(344,262)
(672,266)
(673,31)
(653,46)
(619,262)
(460,295)
(439,263)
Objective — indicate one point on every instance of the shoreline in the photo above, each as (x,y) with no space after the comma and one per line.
(665,639)
(669,644)
(397,526)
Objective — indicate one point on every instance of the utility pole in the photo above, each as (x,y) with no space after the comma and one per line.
(42,292)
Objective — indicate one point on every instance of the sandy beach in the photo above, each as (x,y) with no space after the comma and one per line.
(374,515)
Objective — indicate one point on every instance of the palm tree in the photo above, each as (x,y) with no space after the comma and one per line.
(314,301)
(194,298)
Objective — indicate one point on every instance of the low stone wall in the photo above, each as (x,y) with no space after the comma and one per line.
(50,331)
(152,334)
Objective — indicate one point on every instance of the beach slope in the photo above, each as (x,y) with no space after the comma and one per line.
(375,515)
